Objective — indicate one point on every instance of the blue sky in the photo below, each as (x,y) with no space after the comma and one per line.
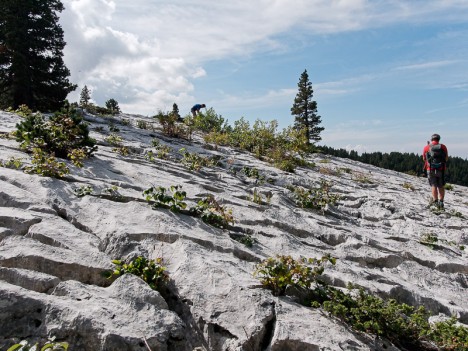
(385,74)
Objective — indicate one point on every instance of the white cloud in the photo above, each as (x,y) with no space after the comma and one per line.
(427,65)
(147,53)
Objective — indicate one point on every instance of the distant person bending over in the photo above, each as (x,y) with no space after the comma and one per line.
(435,156)
(196,109)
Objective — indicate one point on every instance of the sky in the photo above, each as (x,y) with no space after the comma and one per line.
(386,75)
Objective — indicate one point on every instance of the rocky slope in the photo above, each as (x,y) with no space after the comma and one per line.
(54,245)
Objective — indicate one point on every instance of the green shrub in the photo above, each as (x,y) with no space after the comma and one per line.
(400,323)
(448,186)
(46,165)
(114,139)
(60,134)
(316,198)
(209,121)
(174,201)
(408,186)
(211,212)
(83,190)
(283,272)
(449,335)
(246,239)
(50,345)
(152,272)
(142,124)
(195,162)
(170,127)
(12,162)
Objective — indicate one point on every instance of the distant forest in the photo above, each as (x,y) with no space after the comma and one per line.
(457,172)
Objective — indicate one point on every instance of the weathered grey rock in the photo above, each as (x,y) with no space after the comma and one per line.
(54,247)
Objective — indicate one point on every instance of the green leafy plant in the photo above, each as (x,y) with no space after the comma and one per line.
(283,272)
(316,198)
(46,165)
(428,239)
(449,335)
(195,162)
(50,345)
(246,239)
(152,272)
(122,150)
(400,323)
(209,121)
(170,127)
(59,134)
(113,192)
(83,190)
(113,128)
(408,186)
(160,197)
(360,177)
(142,124)
(211,212)
(114,139)
(12,162)
(256,197)
(448,186)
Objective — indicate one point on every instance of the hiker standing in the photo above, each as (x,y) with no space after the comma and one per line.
(435,156)
(196,109)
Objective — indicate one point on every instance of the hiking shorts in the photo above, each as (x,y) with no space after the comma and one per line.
(436,178)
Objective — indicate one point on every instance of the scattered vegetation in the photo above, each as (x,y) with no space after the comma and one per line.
(50,345)
(448,186)
(143,124)
(170,127)
(316,198)
(360,177)
(246,239)
(431,240)
(152,272)
(46,165)
(208,209)
(160,197)
(195,162)
(12,162)
(213,213)
(405,326)
(283,272)
(83,190)
(113,193)
(408,186)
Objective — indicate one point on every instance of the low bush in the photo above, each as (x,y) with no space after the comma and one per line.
(160,197)
(316,198)
(152,272)
(12,162)
(60,134)
(46,165)
(195,162)
(211,212)
(283,272)
(50,345)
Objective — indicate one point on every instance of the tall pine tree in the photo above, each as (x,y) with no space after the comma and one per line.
(305,110)
(32,71)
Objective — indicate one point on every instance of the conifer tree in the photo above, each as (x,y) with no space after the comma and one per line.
(305,110)
(85,96)
(175,111)
(32,71)
(113,106)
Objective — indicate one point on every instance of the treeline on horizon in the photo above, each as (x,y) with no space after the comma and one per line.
(410,163)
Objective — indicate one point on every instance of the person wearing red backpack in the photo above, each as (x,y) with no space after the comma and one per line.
(435,156)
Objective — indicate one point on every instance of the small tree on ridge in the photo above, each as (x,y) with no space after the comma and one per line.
(305,110)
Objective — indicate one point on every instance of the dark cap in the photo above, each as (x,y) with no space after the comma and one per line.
(435,137)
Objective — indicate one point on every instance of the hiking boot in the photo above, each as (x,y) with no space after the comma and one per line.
(441,204)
